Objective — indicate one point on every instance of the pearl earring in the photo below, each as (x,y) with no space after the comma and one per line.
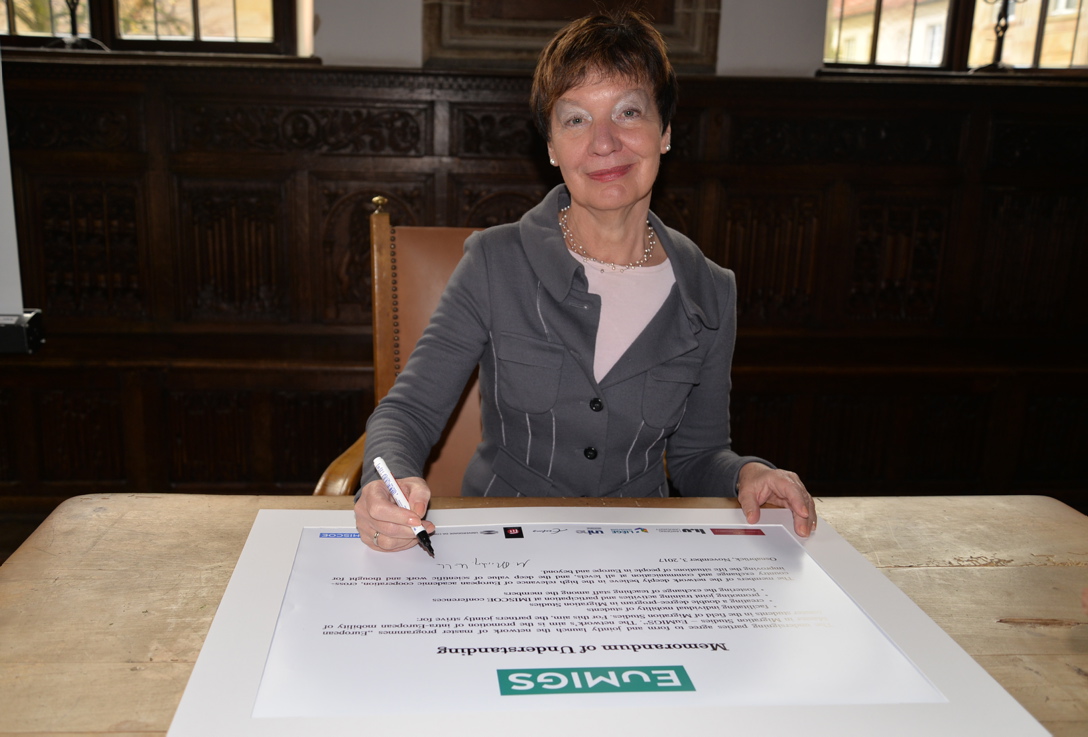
(552,162)
(668,147)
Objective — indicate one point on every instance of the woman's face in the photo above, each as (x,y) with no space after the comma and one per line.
(606,138)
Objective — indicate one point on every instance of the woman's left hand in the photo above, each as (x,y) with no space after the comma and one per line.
(760,484)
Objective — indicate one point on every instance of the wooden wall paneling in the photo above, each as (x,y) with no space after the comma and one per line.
(856,432)
(93,265)
(898,254)
(9,437)
(85,251)
(87,260)
(211,438)
(305,284)
(1005,431)
(494,131)
(1055,435)
(66,429)
(678,206)
(772,239)
(1040,143)
(233,258)
(81,436)
(1034,213)
(58,117)
(482,201)
(907,254)
(155,430)
(233,432)
(309,428)
(327,127)
(23,423)
(340,207)
(880,138)
(134,430)
(161,212)
(1030,259)
(763,422)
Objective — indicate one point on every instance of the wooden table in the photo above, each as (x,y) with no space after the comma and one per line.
(103,610)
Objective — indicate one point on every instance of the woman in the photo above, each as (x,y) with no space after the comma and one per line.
(603,338)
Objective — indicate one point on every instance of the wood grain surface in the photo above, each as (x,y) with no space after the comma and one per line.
(104,608)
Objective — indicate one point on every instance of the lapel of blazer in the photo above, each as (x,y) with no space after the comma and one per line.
(668,335)
(571,314)
(691,307)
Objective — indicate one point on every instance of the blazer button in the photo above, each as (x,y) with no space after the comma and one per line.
(590,452)
(596,404)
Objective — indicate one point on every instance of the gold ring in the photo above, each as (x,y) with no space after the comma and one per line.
(375,538)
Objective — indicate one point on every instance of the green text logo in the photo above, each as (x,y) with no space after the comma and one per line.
(593,680)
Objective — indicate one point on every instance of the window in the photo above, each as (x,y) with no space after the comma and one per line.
(886,32)
(226,26)
(957,34)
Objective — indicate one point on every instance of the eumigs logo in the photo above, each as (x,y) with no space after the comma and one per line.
(543,681)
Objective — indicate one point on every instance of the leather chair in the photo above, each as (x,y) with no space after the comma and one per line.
(411,266)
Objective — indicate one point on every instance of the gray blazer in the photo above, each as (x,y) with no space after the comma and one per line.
(518,307)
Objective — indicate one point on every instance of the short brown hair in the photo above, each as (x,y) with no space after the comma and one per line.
(619,43)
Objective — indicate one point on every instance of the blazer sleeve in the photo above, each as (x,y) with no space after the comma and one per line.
(409,420)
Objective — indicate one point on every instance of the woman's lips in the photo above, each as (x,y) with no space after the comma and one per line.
(608,175)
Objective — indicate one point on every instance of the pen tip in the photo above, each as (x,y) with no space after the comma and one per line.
(425,543)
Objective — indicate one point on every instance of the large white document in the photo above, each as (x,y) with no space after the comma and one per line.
(614,619)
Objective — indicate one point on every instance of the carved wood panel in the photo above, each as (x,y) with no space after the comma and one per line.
(860,434)
(232,255)
(492,131)
(480,202)
(898,253)
(309,429)
(896,140)
(211,437)
(1031,260)
(82,122)
(82,437)
(771,240)
(179,216)
(762,424)
(90,231)
(362,128)
(342,210)
(1040,144)
(679,208)
(221,436)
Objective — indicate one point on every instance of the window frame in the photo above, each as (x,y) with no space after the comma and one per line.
(957,47)
(102,15)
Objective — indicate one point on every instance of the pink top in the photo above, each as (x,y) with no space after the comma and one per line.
(629,300)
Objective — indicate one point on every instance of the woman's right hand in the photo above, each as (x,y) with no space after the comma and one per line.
(382,524)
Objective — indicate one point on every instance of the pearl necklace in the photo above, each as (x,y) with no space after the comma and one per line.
(568,238)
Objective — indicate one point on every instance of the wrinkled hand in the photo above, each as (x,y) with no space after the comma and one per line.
(759,484)
(382,524)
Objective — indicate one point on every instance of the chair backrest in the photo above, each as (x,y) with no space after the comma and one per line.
(411,266)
